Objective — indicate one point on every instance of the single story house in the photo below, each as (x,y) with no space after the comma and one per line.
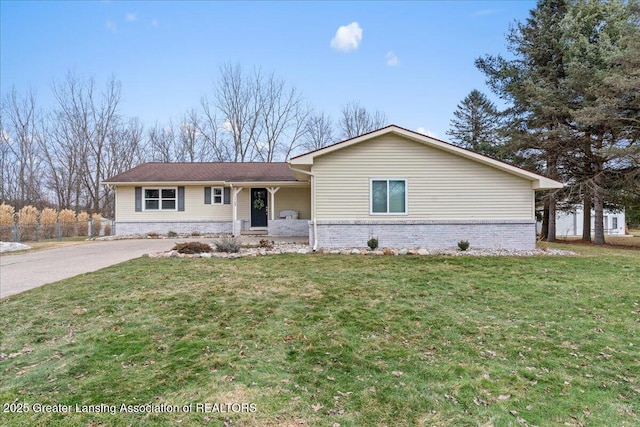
(569,223)
(405,188)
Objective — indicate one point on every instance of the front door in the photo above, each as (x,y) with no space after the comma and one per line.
(258,207)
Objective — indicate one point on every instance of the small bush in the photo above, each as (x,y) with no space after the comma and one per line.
(96,224)
(83,224)
(67,220)
(48,221)
(6,222)
(265,243)
(27,222)
(195,233)
(172,234)
(227,244)
(107,228)
(373,243)
(192,248)
(153,235)
(463,245)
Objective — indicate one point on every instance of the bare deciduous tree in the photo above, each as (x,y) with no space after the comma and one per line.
(125,149)
(218,146)
(239,101)
(318,132)
(283,119)
(357,120)
(162,144)
(20,154)
(86,137)
(263,116)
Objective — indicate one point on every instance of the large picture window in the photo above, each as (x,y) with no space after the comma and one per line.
(389,196)
(160,199)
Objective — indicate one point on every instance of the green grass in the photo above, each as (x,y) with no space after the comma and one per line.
(319,340)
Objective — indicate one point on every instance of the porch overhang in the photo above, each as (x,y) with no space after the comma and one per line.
(263,184)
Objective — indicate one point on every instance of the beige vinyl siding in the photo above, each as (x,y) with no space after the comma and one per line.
(297,199)
(244,205)
(440,185)
(194,207)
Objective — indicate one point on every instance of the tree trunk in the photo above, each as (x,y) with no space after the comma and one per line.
(598,207)
(586,218)
(552,166)
(598,195)
(551,233)
(544,230)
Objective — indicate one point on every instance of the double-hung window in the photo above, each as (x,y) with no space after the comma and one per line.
(388,196)
(160,199)
(217,195)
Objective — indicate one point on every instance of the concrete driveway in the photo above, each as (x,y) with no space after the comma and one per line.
(20,272)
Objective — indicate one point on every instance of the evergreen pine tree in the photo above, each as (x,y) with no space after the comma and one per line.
(476,125)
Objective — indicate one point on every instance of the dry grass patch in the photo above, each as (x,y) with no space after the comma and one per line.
(27,223)
(48,222)
(96,224)
(67,219)
(82,227)
(7,213)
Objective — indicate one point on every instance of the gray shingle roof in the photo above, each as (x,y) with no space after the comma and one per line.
(183,172)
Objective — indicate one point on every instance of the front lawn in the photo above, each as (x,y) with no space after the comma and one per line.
(319,340)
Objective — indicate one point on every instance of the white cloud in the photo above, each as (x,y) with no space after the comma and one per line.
(6,137)
(130,17)
(485,12)
(154,22)
(226,126)
(391,58)
(348,37)
(426,132)
(112,26)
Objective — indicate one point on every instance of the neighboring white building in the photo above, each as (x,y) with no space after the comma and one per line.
(570,223)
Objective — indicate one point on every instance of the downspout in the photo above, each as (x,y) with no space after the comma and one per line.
(313,205)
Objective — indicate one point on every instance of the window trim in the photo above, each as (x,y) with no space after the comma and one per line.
(144,199)
(406,197)
(213,195)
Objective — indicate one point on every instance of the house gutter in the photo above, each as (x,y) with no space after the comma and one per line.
(313,205)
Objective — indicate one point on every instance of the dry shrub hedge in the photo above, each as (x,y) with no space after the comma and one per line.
(48,221)
(67,219)
(107,228)
(27,222)
(6,222)
(96,224)
(228,244)
(192,248)
(83,224)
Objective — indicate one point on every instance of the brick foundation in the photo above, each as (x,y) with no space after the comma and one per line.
(289,227)
(433,235)
(180,227)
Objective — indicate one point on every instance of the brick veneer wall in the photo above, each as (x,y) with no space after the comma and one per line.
(434,235)
(180,227)
(289,227)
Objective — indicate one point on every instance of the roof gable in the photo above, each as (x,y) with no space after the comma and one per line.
(539,181)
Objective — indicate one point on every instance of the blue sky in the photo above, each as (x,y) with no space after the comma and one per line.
(411,60)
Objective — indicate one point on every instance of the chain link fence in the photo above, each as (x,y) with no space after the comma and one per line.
(35,232)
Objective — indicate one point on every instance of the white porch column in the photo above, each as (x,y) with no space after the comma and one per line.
(272,204)
(234,202)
